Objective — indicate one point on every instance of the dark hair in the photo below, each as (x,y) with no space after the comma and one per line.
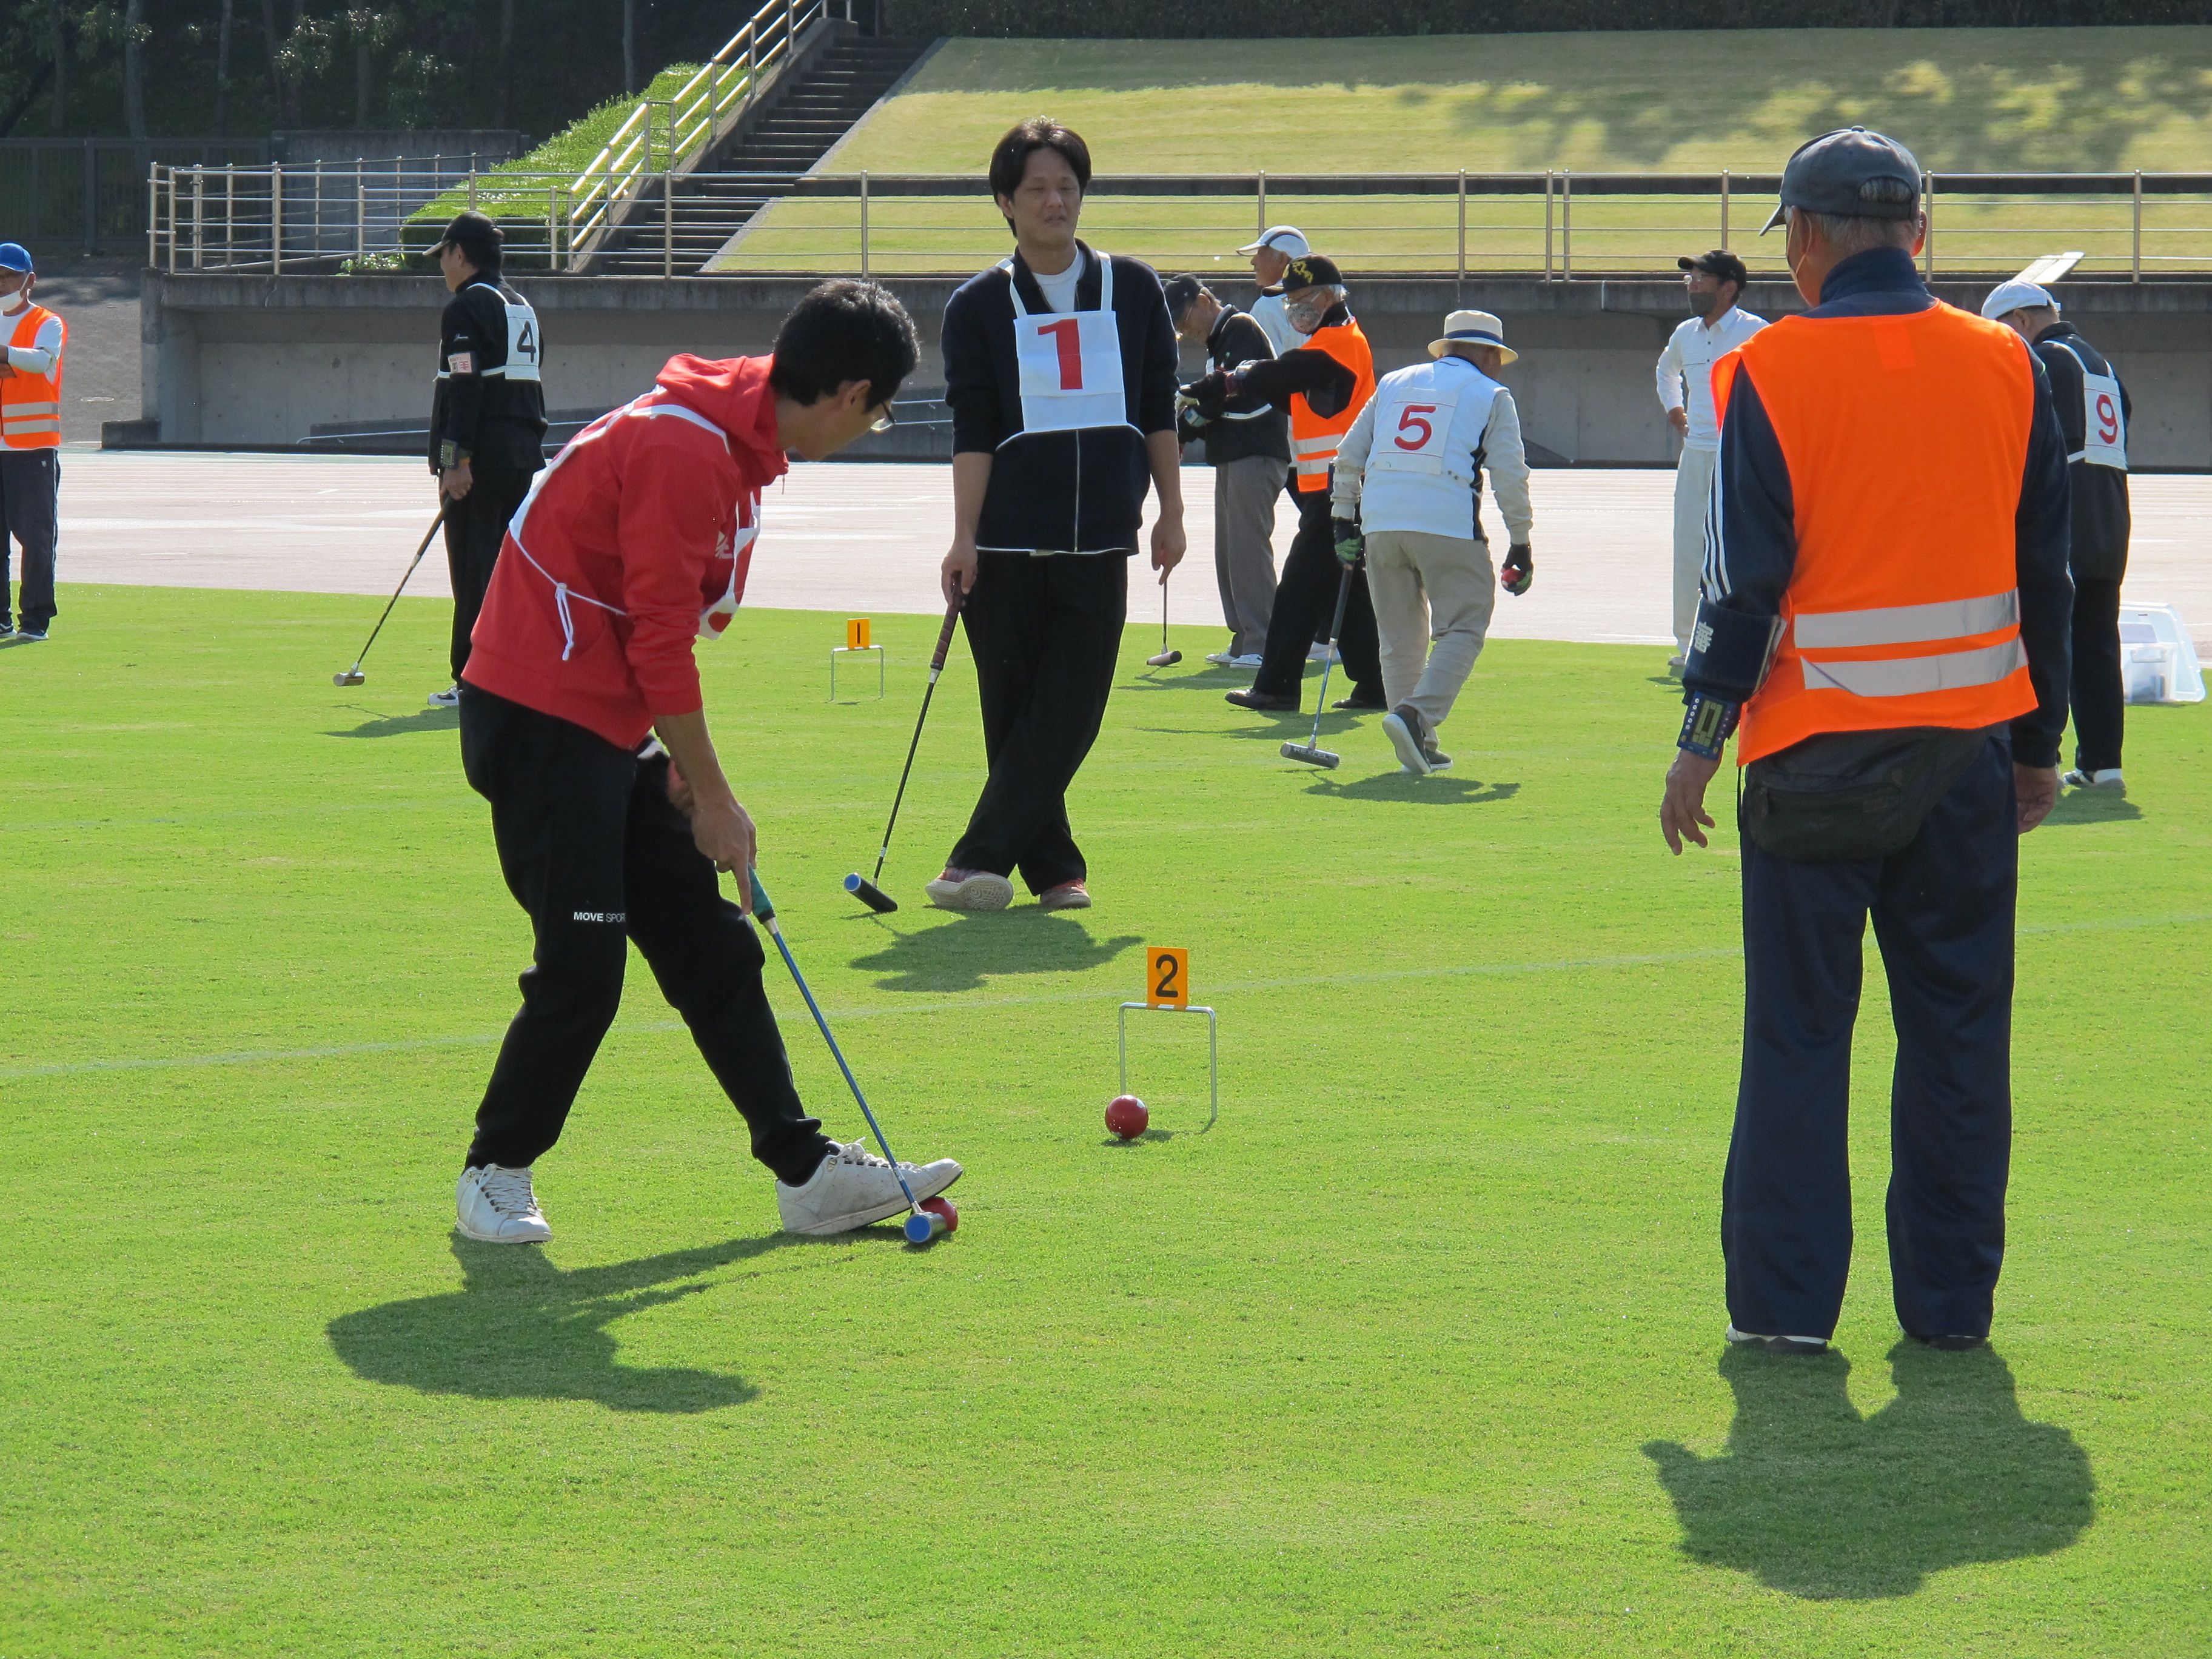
(844,331)
(1010,159)
(479,240)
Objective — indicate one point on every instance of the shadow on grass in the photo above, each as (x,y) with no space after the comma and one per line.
(1438,789)
(1820,1503)
(520,1329)
(2093,806)
(955,956)
(394,725)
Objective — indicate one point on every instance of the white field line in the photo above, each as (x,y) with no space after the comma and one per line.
(953,1005)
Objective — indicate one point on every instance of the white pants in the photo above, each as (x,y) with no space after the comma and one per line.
(1429,588)
(1693,483)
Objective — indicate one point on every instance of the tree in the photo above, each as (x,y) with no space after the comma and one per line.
(222,71)
(58,116)
(629,45)
(134,68)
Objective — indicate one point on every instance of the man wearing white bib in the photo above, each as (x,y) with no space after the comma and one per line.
(2093,411)
(1711,283)
(1060,368)
(1410,473)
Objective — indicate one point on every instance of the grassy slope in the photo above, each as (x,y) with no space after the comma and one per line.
(1966,100)
(1407,1357)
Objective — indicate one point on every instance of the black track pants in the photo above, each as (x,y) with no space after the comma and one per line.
(1305,601)
(591,848)
(2100,698)
(1045,633)
(30,492)
(475,526)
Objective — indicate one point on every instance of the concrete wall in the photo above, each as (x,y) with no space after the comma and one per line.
(235,359)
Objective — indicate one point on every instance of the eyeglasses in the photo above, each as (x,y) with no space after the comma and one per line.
(884,421)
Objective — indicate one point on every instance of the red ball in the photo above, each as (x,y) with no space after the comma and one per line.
(945,1208)
(1126,1117)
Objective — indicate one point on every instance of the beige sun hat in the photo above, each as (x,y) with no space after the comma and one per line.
(1473,328)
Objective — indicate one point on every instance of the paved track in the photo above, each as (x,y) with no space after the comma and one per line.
(864,539)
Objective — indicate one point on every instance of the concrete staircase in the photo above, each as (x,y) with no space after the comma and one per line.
(805,116)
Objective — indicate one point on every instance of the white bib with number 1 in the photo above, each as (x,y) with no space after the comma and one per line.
(1069,363)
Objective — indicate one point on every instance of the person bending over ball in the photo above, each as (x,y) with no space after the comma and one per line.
(582,724)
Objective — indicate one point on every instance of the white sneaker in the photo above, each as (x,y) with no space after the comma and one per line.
(1322,654)
(1249,660)
(973,890)
(497,1204)
(1778,1344)
(853,1187)
(449,698)
(2106,778)
(1222,659)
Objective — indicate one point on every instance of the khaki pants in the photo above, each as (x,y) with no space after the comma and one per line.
(1244,494)
(1693,483)
(1429,588)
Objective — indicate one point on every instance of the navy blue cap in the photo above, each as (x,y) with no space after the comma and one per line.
(13,256)
(1853,172)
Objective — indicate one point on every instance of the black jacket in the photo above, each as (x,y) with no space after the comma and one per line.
(2102,522)
(1751,527)
(1251,426)
(489,405)
(1328,384)
(1058,492)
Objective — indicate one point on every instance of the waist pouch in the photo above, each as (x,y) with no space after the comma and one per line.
(1853,794)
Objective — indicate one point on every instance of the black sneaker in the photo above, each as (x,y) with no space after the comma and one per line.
(29,632)
(1950,1343)
(1409,735)
(1778,1344)
(1266,702)
(1360,702)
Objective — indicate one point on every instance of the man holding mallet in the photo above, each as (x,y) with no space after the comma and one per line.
(1060,367)
(582,724)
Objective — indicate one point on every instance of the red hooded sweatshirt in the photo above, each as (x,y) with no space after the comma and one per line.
(624,547)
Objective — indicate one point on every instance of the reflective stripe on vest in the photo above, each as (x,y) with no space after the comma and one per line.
(1906,439)
(1315,438)
(31,404)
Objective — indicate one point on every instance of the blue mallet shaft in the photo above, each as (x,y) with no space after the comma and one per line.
(766,912)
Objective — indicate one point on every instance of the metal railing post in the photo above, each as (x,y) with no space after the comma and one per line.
(199,217)
(315,236)
(1549,178)
(229,215)
(863,221)
(552,236)
(153,207)
(668,219)
(1724,208)
(1262,193)
(275,219)
(1566,225)
(360,211)
(1928,248)
(472,184)
(1462,225)
(2134,257)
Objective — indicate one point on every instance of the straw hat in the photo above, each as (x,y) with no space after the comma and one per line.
(1473,328)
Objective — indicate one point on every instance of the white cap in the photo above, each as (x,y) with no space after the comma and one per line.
(1286,240)
(2016,295)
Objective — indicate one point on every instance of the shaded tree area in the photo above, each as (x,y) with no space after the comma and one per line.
(243,68)
(1232,19)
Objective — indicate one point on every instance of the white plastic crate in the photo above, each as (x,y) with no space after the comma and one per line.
(2158,662)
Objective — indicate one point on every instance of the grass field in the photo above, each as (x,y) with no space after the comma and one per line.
(1418,1352)
(1966,100)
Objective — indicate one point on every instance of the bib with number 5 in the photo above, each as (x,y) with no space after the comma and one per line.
(1070,363)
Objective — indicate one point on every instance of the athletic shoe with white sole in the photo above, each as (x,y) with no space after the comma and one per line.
(1322,654)
(1222,659)
(1249,660)
(971,890)
(1676,667)
(2105,778)
(449,698)
(30,633)
(853,1187)
(1778,1344)
(495,1204)
(1409,735)
(1067,895)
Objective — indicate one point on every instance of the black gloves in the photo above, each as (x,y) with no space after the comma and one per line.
(1519,570)
(1210,395)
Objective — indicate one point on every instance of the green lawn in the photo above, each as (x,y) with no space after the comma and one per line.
(1418,1352)
(1966,100)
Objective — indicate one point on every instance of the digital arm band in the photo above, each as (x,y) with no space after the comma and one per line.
(1707,725)
(1730,652)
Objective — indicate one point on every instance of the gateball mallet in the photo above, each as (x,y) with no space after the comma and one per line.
(863,888)
(1312,753)
(353,676)
(1167,658)
(923,1224)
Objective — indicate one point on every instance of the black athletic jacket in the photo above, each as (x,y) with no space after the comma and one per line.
(1753,549)
(2102,522)
(1252,425)
(481,412)
(1328,384)
(1058,492)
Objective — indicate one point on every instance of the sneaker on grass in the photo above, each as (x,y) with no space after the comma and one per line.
(495,1204)
(449,698)
(1409,735)
(2107,778)
(1778,1344)
(1222,659)
(28,632)
(852,1187)
(1067,896)
(971,890)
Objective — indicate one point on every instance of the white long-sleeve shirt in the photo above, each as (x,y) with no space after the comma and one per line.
(46,347)
(1685,369)
(1496,449)
(1269,312)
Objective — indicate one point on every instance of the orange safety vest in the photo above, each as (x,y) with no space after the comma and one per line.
(31,404)
(1906,439)
(1315,438)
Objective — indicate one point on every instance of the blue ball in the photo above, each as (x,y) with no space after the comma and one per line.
(921,1228)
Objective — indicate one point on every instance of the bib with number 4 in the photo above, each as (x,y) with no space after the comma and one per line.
(1069,362)
(2104,423)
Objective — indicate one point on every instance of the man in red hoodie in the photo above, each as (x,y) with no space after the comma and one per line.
(582,724)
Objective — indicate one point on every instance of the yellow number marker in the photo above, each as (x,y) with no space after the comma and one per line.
(1167,977)
(856,634)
